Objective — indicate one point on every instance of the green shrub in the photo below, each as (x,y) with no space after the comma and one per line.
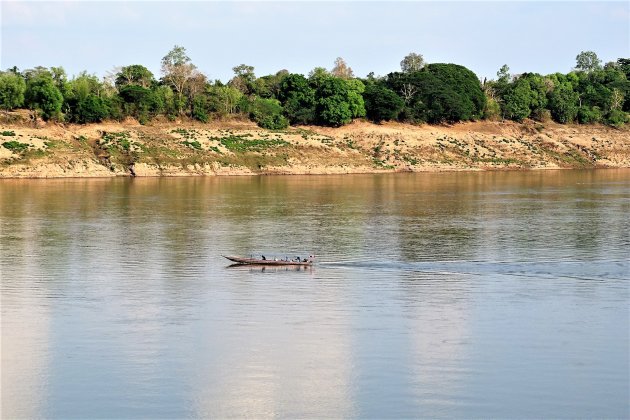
(589,116)
(381,103)
(15,146)
(492,110)
(242,144)
(617,118)
(267,113)
(193,144)
(8,133)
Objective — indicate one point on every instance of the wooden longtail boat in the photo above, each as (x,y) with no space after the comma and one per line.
(256,261)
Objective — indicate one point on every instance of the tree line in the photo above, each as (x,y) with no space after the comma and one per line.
(419,93)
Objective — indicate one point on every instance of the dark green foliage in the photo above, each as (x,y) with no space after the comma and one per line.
(589,115)
(140,102)
(563,103)
(192,144)
(8,133)
(116,141)
(439,93)
(617,118)
(355,97)
(381,103)
(298,99)
(90,109)
(333,111)
(200,108)
(516,102)
(269,86)
(134,75)
(267,113)
(42,94)
(15,146)
(12,88)
(422,93)
(337,101)
(243,144)
(525,96)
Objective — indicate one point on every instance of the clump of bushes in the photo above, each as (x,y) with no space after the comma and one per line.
(15,146)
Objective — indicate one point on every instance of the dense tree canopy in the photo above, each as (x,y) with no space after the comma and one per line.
(420,92)
(12,88)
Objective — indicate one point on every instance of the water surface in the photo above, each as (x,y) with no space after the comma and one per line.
(435,295)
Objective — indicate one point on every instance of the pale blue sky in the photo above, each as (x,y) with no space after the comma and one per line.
(534,36)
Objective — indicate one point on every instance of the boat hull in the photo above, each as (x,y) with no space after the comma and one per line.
(255,261)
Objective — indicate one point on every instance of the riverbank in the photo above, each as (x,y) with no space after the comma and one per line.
(51,150)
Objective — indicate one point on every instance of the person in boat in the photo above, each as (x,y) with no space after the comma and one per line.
(263,258)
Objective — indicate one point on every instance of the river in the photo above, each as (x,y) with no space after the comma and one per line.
(496,294)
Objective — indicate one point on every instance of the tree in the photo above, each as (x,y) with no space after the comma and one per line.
(176,70)
(466,100)
(83,101)
(12,88)
(502,83)
(243,79)
(267,113)
(381,103)
(298,99)
(199,104)
(525,96)
(90,109)
(341,69)
(134,75)
(194,88)
(412,62)
(563,102)
(517,100)
(331,102)
(140,102)
(355,98)
(587,61)
(42,94)
(269,86)
(224,99)
(317,76)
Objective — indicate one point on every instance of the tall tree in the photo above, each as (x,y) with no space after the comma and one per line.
(317,76)
(298,99)
(587,61)
(341,69)
(134,74)
(381,103)
(12,88)
(412,62)
(243,79)
(176,70)
(42,94)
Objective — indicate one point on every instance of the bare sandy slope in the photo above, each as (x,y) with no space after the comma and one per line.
(45,150)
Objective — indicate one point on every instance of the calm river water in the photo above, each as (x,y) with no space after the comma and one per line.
(435,295)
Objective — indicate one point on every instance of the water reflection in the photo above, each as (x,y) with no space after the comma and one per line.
(431,293)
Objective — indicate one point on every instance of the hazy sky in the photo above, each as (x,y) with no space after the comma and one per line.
(536,36)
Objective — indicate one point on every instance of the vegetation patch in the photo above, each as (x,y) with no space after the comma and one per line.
(120,141)
(192,144)
(8,133)
(239,143)
(15,146)
(186,134)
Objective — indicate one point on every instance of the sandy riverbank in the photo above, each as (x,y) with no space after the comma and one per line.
(50,150)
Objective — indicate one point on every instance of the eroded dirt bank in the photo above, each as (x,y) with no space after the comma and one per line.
(49,150)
